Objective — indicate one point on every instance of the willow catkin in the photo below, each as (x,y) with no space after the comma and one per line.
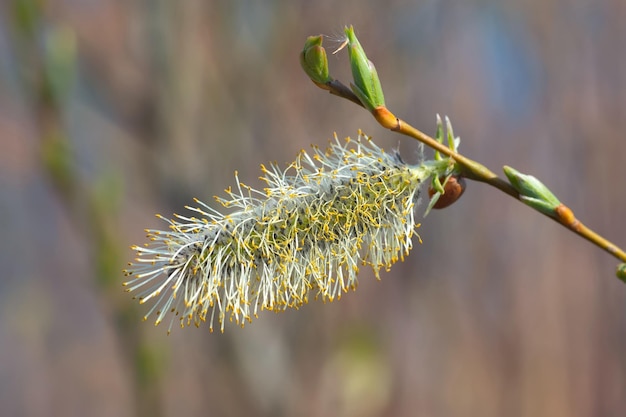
(307,232)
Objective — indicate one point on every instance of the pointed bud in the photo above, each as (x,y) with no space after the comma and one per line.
(314,61)
(533,192)
(366,83)
(621,272)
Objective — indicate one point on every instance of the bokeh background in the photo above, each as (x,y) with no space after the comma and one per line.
(111,111)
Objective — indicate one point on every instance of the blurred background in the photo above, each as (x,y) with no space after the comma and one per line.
(112,111)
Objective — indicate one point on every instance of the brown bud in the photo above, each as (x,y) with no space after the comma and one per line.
(454,189)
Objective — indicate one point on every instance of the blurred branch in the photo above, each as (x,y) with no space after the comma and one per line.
(48,55)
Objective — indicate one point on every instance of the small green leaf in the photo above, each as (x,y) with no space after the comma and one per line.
(439,133)
(437,185)
(431,203)
(450,131)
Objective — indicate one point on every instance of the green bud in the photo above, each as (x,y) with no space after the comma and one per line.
(314,61)
(621,272)
(366,84)
(533,192)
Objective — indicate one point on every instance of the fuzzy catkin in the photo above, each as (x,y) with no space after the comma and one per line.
(307,232)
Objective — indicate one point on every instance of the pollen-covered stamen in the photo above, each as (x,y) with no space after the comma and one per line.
(312,227)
